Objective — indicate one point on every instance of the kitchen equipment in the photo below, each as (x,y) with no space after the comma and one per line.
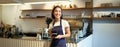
(45,33)
(75,24)
(39,36)
(112,14)
(118,15)
(48,21)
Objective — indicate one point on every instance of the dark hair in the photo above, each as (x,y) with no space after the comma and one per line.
(52,14)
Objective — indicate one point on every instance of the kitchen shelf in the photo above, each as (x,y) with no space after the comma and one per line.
(86,17)
(32,17)
(51,9)
(112,7)
(28,18)
(106,20)
(78,18)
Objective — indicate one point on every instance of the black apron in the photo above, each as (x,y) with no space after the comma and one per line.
(58,42)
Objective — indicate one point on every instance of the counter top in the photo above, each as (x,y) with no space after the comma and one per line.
(28,43)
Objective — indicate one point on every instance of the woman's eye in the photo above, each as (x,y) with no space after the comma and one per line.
(55,10)
(59,11)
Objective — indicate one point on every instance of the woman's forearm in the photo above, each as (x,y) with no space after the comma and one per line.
(67,29)
(66,35)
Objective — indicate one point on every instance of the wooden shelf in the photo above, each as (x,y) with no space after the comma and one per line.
(72,8)
(37,10)
(78,18)
(106,20)
(85,17)
(51,9)
(106,7)
(31,17)
(28,18)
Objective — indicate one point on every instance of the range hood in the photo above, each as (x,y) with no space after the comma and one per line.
(26,1)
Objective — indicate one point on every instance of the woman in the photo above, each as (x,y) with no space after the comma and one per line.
(59,29)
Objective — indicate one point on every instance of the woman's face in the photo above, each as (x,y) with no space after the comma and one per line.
(57,13)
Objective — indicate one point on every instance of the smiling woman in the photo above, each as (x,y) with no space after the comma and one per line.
(59,29)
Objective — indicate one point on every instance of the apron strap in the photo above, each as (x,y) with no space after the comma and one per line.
(60,23)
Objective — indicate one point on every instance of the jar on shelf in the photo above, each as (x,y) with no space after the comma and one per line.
(27,15)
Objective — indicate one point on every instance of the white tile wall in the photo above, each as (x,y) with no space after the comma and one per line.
(106,34)
(32,25)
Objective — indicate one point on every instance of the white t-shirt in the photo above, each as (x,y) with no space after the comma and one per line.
(64,25)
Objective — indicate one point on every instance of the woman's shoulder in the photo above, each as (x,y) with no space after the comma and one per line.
(63,20)
(65,23)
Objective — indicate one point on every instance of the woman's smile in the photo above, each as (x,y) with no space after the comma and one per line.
(57,13)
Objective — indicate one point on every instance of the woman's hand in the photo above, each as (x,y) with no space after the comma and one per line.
(59,37)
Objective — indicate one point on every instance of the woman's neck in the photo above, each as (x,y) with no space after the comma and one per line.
(57,20)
